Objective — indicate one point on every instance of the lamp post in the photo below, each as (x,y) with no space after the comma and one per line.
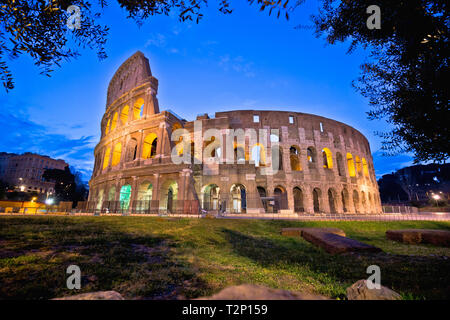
(436,197)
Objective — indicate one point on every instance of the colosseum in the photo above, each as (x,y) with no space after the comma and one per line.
(237,162)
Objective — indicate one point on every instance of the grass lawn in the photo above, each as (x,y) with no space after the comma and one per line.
(160,258)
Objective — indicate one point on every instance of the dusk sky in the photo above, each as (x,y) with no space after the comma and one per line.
(245,60)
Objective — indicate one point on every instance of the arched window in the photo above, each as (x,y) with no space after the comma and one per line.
(108,124)
(124,114)
(258,155)
(316,202)
(294,157)
(344,196)
(327,159)
(149,147)
(350,165)
(238,198)
(281,201)
(114,121)
(365,167)
(298,200)
(131,150)
(117,152)
(239,154)
(311,155)
(332,200)
(358,164)
(340,165)
(138,109)
(125,196)
(106,158)
(356,200)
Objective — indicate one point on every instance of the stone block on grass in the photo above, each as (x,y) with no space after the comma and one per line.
(297,232)
(335,244)
(416,236)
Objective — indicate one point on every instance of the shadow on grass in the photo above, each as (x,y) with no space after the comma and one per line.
(418,276)
(35,254)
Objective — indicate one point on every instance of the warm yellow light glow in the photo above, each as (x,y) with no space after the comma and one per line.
(124,114)
(138,108)
(117,152)
(114,121)
(327,158)
(106,158)
(358,164)
(107,126)
(149,148)
(365,167)
(350,165)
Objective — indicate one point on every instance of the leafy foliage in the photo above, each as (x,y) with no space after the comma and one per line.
(38,27)
(407,77)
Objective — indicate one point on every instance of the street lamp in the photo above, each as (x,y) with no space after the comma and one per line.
(436,197)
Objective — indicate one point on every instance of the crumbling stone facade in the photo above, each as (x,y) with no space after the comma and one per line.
(324,166)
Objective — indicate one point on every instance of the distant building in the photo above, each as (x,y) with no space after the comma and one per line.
(25,171)
(416,183)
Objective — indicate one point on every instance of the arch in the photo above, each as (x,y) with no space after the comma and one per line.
(114,121)
(100,199)
(125,196)
(108,124)
(239,153)
(327,158)
(211,197)
(169,195)
(145,191)
(117,152)
(298,200)
(332,200)
(262,195)
(106,157)
(112,193)
(370,203)
(356,200)
(363,202)
(316,199)
(149,147)
(350,165)
(358,164)
(281,201)
(340,164)
(345,200)
(238,198)
(258,155)
(124,114)
(138,109)
(294,157)
(365,167)
(131,150)
(311,154)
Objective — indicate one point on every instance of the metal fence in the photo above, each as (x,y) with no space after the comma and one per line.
(400,209)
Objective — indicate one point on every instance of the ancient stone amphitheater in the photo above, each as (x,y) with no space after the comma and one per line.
(272,162)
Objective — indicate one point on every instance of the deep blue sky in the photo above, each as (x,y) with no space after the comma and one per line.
(246,60)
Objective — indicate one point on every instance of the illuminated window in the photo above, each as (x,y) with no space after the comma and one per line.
(365,167)
(255,118)
(291,119)
(124,114)
(350,165)
(138,109)
(149,148)
(106,158)
(358,164)
(327,158)
(107,126)
(117,152)
(114,121)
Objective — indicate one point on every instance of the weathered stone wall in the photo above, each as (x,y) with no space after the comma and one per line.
(144,161)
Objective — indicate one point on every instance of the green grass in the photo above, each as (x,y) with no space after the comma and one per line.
(158,258)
